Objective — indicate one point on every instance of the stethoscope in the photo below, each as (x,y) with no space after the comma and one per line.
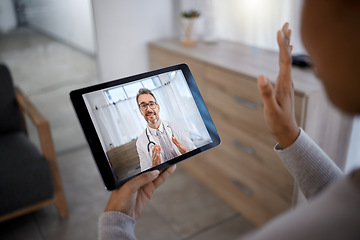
(151,143)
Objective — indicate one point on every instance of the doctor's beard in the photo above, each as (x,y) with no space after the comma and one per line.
(152,122)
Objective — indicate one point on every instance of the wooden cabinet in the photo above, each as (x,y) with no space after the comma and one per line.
(244,170)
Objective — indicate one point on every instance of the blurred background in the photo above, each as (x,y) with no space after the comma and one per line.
(53,47)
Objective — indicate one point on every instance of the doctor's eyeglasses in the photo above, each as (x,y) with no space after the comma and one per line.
(144,106)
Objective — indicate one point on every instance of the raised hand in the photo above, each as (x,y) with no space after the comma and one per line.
(180,147)
(279,103)
(156,160)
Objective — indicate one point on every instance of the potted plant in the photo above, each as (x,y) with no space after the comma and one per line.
(187,23)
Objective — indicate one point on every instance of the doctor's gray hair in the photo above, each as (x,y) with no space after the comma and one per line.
(144,91)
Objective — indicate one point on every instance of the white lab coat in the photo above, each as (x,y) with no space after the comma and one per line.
(142,144)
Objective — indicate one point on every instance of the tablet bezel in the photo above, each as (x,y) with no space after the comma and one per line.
(94,141)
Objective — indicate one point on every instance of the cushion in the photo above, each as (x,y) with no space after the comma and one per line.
(10,118)
(24,173)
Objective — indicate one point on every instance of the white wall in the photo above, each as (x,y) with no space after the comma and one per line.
(123,30)
(253,22)
(96,99)
(68,21)
(124,27)
(7,16)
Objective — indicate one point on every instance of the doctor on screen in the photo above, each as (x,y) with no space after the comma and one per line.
(160,141)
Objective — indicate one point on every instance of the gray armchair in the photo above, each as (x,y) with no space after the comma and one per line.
(29,180)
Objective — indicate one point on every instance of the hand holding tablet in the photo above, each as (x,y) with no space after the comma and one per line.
(144,122)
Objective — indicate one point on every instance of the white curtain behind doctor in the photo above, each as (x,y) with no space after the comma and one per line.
(177,105)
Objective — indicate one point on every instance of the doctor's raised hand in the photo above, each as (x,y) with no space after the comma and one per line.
(156,160)
(279,102)
(179,146)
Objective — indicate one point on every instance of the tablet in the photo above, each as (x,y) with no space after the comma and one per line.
(144,122)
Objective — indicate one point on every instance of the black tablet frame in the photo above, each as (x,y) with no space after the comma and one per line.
(94,141)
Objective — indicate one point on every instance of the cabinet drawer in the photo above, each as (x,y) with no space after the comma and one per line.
(251,153)
(253,187)
(239,99)
(240,113)
(235,85)
(239,189)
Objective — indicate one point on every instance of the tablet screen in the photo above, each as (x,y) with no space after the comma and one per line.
(144,122)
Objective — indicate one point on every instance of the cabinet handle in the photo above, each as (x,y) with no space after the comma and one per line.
(245,102)
(242,187)
(244,147)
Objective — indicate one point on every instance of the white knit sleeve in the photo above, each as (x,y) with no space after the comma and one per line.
(116,225)
(311,168)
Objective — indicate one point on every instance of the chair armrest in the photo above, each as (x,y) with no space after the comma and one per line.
(27,107)
(41,124)
(47,147)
